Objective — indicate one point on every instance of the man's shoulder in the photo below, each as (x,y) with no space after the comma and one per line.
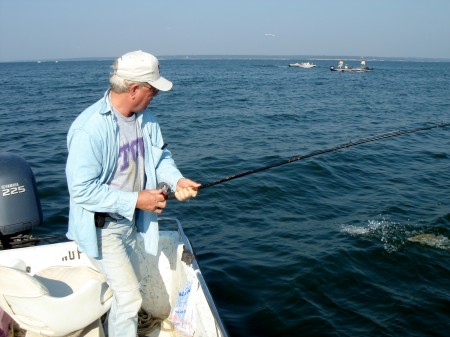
(147,117)
(91,117)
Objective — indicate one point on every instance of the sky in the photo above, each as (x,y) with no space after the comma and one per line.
(61,29)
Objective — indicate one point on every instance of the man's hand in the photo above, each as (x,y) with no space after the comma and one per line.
(186,189)
(151,201)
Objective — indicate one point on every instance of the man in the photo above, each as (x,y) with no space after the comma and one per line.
(116,160)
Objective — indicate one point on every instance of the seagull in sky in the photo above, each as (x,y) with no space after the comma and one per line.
(269,34)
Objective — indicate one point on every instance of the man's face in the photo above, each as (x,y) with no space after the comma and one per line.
(144,94)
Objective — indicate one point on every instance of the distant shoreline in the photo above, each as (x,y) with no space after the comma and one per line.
(249,57)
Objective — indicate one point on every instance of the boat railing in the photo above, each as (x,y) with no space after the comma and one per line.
(198,273)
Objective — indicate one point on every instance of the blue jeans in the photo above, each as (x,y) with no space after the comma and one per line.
(116,243)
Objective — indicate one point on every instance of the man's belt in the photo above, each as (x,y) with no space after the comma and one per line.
(99,219)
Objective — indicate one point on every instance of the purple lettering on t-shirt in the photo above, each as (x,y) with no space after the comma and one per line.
(130,152)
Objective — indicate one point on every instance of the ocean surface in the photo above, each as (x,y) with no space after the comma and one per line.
(318,247)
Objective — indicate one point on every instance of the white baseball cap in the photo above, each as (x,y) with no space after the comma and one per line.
(138,66)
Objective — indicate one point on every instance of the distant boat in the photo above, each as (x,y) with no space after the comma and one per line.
(303,65)
(344,68)
(351,70)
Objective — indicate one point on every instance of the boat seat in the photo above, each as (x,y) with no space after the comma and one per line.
(55,301)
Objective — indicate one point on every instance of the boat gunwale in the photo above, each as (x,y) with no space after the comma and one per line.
(199,276)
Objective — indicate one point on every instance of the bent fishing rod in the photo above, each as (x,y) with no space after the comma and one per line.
(319,152)
(166,189)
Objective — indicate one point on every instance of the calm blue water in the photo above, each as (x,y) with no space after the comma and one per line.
(314,248)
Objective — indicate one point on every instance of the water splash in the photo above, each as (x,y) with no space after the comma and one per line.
(391,234)
(395,236)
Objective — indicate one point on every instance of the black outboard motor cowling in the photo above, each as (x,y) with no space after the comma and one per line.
(20,208)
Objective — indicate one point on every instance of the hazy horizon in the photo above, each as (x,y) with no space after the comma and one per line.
(251,57)
(74,29)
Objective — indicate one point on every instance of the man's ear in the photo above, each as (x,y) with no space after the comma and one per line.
(132,89)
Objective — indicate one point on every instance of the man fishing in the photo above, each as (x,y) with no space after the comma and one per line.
(116,160)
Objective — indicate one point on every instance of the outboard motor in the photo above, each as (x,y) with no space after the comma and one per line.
(20,208)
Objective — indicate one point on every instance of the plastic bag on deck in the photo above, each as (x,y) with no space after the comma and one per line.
(182,315)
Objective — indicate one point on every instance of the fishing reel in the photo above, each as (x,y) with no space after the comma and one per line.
(166,190)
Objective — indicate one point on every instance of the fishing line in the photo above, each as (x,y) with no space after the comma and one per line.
(316,153)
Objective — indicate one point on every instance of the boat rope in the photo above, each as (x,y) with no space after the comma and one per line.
(333,149)
(147,323)
(21,240)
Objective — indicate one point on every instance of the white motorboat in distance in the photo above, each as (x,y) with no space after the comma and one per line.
(52,289)
(303,65)
(345,68)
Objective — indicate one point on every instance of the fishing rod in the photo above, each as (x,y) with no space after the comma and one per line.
(316,153)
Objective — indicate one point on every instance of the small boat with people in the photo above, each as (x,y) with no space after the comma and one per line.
(345,68)
(303,65)
(52,289)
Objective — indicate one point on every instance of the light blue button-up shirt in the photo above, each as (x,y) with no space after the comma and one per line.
(93,144)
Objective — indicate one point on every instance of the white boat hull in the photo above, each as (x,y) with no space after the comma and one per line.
(302,65)
(351,70)
(163,277)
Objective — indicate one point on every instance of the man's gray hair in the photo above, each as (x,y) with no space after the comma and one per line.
(117,83)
